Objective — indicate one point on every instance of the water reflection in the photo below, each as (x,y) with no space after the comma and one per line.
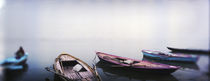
(12,75)
(55,78)
(116,74)
(58,78)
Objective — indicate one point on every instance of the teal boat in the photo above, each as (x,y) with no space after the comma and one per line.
(157,55)
(16,62)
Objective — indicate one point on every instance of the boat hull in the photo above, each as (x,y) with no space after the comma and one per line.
(167,58)
(137,69)
(195,51)
(14,61)
(140,70)
(109,71)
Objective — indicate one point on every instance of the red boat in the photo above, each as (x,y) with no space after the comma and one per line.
(136,65)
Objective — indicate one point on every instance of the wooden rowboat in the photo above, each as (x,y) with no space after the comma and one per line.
(169,56)
(72,68)
(136,65)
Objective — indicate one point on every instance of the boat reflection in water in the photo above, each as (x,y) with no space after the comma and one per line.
(15,73)
(56,78)
(59,78)
(184,65)
(114,73)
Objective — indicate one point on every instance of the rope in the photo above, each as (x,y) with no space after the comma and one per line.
(94,68)
(94,60)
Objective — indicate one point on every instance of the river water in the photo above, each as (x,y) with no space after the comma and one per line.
(47,28)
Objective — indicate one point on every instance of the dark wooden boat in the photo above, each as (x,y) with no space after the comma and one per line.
(169,56)
(196,51)
(136,65)
(16,62)
(72,68)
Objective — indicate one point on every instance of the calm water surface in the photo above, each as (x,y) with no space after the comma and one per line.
(47,28)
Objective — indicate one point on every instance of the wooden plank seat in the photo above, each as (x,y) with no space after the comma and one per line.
(72,69)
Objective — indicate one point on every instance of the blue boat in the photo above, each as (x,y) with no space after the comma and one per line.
(157,55)
(16,62)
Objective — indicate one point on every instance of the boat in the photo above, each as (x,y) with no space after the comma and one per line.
(72,68)
(194,51)
(117,74)
(169,56)
(16,62)
(133,65)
